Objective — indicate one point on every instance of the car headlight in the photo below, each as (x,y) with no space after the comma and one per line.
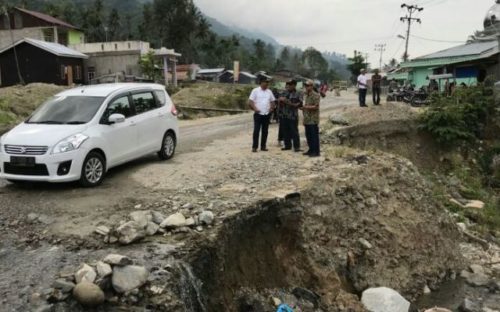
(70,144)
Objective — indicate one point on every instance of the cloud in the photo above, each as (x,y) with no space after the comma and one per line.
(348,25)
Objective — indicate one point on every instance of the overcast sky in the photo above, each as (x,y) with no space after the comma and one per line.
(347,25)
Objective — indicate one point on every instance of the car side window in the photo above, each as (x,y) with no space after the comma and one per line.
(144,102)
(120,105)
(161,98)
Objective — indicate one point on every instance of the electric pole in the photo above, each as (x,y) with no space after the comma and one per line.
(410,19)
(380,48)
(366,60)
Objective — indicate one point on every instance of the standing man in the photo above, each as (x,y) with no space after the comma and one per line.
(363,88)
(291,101)
(376,87)
(262,103)
(311,119)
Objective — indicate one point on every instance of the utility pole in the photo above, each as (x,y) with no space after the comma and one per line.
(366,60)
(410,19)
(380,48)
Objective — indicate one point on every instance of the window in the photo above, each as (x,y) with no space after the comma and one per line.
(119,106)
(144,102)
(161,98)
(78,72)
(67,110)
(91,74)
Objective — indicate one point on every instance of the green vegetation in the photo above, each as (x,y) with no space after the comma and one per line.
(461,118)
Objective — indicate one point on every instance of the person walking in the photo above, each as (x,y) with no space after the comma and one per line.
(362,88)
(261,101)
(291,101)
(311,119)
(376,87)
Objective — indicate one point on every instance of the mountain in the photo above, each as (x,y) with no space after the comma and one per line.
(226,31)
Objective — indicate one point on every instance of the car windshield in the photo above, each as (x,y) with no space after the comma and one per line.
(67,110)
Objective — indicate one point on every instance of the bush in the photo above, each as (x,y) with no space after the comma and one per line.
(461,118)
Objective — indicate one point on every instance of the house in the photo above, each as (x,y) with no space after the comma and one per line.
(262,75)
(41,61)
(187,72)
(210,74)
(24,23)
(110,58)
(469,63)
(243,78)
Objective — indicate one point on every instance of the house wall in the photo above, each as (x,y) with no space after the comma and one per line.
(6,40)
(75,37)
(36,65)
(419,76)
(114,46)
(111,63)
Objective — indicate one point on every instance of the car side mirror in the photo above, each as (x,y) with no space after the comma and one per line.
(116,118)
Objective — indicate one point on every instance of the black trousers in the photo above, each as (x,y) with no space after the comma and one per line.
(281,131)
(376,95)
(260,122)
(291,133)
(362,97)
(312,136)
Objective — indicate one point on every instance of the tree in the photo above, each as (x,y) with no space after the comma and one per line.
(148,65)
(284,57)
(113,25)
(356,63)
(314,63)
(94,22)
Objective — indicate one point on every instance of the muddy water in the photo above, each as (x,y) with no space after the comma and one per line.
(450,295)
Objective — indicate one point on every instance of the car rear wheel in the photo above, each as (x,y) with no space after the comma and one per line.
(167,146)
(93,170)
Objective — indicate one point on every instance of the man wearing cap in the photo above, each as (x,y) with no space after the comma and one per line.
(262,103)
(376,87)
(311,119)
(290,103)
(362,88)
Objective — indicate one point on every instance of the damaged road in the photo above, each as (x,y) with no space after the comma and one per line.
(314,233)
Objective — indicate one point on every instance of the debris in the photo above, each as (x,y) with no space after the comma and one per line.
(130,232)
(152,228)
(119,260)
(63,285)
(103,269)
(366,244)
(157,217)
(102,230)
(176,220)
(206,217)
(141,218)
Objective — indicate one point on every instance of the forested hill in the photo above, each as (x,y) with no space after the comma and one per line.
(179,24)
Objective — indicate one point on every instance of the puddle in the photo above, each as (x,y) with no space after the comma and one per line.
(450,295)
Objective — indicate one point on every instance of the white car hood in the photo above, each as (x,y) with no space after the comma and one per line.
(40,135)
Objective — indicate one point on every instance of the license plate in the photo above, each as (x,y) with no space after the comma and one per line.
(22,161)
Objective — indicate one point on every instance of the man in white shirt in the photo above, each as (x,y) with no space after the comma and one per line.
(262,102)
(363,88)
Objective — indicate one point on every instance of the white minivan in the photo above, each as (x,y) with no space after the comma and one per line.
(79,134)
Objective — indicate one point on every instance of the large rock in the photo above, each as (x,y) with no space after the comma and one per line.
(103,269)
(130,232)
(63,285)
(206,217)
(128,278)
(152,228)
(141,217)
(478,279)
(88,294)
(85,274)
(384,299)
(174,221)
(338,119)
(115,259)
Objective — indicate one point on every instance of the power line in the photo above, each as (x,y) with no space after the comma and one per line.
(437,40)
(412,9)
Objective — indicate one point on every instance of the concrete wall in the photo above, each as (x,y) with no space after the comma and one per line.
(75,37)
(6,40)
(116,46)
(110,63)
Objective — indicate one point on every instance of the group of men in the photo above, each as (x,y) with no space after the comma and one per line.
(288,104)
(363,87)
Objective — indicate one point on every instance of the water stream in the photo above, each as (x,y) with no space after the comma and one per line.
(190,289)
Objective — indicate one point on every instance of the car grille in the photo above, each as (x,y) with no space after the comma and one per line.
(36,170)
(25,150)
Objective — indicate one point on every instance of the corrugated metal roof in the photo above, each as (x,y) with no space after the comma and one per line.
(51,47)
(460,54)
(475,48)
(211,71)
(47,18)
(244,73)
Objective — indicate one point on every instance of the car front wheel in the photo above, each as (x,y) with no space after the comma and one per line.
(93,170)
(167,146)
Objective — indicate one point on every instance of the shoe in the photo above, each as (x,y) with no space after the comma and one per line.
(254,150)
(306,153)
(264,150)
(314,155)
(298,150)
(286,149)
(363,106)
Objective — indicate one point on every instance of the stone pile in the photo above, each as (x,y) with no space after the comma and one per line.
(91,285)
(144,223)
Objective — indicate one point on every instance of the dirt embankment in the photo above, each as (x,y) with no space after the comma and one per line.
(18,102)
